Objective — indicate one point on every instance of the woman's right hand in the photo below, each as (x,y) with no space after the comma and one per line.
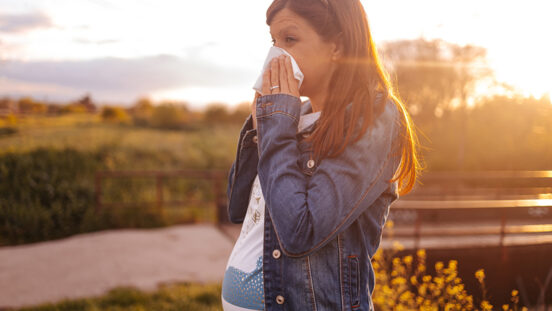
(254,109)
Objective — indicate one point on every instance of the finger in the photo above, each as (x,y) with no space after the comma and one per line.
(266,82)
(283,75)
(293,83)
(274,75)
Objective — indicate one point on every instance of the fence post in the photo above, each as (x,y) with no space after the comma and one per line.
(417,230)
(98,185)
(220,206)
(159,187)
(502,234)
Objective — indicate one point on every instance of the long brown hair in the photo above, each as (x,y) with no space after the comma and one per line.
(359,75)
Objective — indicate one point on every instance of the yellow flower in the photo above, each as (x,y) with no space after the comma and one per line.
(421,253)
(398,246)
(404,297)
(398,281)
(422,289)
(452,290)
(421,267)
(480,275)
(407,259)
(439,265)
(514,292)
(485,305)
(426,278)
(505,307)
(389,224)
(453,264)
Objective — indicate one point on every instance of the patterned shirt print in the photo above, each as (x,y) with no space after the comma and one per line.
(242,287)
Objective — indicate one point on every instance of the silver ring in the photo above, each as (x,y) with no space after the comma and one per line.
(274,87)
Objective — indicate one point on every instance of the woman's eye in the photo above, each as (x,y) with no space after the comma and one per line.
(288,40)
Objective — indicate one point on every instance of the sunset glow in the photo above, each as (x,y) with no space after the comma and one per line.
(214,50)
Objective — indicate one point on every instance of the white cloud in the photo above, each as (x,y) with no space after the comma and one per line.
(96,44)
(18,23)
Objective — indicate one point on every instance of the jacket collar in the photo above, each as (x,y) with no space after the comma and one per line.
(306,108)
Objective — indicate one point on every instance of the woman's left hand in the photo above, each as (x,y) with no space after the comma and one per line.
(278,78)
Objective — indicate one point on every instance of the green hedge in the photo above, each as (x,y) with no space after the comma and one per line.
(46,194)
(49,194)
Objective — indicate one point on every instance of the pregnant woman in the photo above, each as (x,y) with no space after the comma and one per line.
(312,181)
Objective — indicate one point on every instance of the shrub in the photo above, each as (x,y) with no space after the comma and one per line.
(45,193)
(402,283)
(216,113)
(114,114)
(142,112)
(7,131)
(169,116)
(73,108)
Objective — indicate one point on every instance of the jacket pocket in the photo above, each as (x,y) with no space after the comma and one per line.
(354,281)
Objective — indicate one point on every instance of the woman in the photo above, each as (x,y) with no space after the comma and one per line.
(312,182)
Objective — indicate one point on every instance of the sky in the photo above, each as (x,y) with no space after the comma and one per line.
(212,51)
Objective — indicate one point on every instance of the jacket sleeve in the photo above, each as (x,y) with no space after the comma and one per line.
(309,211)
(242,173)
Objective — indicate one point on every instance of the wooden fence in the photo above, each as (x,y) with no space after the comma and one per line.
(442,198)
(467,204)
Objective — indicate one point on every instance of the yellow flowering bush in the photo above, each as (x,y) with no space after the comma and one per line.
(403,285)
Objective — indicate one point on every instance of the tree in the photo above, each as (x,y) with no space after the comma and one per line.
(114,114)
(216,113)
(241,112)
(169,115)
(142,111)
(434,77)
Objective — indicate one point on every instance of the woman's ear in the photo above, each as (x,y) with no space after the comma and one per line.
(337,50)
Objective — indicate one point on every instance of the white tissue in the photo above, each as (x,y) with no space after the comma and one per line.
(275,52)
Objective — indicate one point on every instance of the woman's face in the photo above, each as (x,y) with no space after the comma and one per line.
(294,34)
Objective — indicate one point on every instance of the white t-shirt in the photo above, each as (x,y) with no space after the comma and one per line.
(242,287)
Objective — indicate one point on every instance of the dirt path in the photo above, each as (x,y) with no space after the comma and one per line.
(90,264)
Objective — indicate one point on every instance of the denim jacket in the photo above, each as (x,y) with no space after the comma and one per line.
(323,218)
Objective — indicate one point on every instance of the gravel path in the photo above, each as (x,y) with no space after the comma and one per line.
(90,264)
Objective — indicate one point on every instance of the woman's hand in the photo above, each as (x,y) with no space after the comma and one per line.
(280,74)
(278,78)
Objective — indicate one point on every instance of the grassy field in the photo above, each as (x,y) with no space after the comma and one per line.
(209,146)
(177,296)
(49,165)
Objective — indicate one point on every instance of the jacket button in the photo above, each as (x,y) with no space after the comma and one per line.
(280,299)
(255,139)
(310,163)
(276,253)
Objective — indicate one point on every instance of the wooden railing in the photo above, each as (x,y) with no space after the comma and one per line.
(444,198)
(216,177)
(461,200)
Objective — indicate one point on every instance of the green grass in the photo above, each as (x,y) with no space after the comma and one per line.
(208,146)
(35,165)
(175,296)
